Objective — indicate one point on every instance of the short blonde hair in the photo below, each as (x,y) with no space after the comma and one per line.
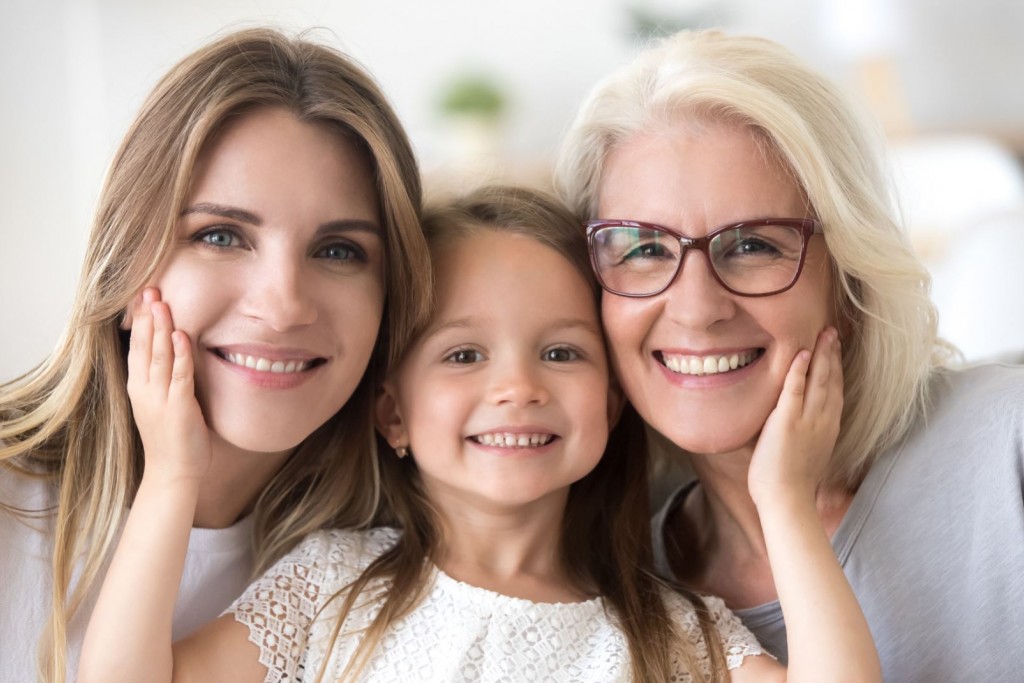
(69,420)
(890,347)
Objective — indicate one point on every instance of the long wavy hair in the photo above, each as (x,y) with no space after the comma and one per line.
(605,543)
(888,322)
(69,420)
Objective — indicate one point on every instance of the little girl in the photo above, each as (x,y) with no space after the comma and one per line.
(515,542)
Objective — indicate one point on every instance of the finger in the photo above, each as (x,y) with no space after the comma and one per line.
(163,351)
(140,345)
(820,370)
(835,376)
(795,385)
(182,372)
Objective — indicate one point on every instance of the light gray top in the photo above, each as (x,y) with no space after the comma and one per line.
(218,566)
(933,542)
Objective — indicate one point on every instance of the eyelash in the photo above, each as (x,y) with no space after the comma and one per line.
(202,236)
(574,354)
(354,251)
(450,358)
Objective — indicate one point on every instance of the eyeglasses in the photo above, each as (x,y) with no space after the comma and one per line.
(752,258)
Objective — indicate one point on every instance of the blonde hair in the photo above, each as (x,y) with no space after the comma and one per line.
(888,322)
(69,420)
(605,535)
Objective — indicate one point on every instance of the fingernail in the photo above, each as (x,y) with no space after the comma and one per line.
(149,295)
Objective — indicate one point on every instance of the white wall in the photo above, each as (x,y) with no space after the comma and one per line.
(73,72)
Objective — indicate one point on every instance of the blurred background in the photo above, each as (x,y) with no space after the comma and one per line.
(487,88)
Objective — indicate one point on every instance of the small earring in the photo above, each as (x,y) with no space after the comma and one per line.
(401,451)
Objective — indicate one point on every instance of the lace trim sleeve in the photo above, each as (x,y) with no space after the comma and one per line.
(737,640)
(280,607)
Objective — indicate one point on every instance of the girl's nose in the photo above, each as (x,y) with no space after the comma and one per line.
(518,384)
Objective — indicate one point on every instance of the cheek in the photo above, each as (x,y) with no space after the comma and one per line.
(354,310)
(194,294)
(625,324)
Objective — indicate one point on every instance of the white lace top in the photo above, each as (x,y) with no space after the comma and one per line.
(456,633)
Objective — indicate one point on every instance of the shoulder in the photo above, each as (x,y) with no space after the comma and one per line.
(293,591)
(735,639)
(979,408)
(25,490)
(341,551)
(982,387)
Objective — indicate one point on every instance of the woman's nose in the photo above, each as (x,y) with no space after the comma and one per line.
(696,298)
(280,293)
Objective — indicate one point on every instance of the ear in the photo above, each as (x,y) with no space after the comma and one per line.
(616,401)
(388,416)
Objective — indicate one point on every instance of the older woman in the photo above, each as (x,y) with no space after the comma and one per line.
(735,207)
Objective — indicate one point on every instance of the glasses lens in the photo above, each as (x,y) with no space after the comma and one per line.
(757,260)
(633,260)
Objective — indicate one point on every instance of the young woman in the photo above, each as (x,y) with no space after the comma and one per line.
(518,547)
(731,147)
(268,191)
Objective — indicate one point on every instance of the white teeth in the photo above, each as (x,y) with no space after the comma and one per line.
(504,440)
(266,365)
(707,365)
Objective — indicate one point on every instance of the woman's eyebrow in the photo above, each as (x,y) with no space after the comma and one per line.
(348,225)
(241,215)
(224,211)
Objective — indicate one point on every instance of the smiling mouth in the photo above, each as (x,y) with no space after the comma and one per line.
(713,364)
(267,365)
(507,440)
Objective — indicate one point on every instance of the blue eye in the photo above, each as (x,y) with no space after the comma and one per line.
(561,354)
(341,251)
(219,237)
(464,357)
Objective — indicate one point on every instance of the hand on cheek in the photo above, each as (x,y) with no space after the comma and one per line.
(796,443)
(162,393)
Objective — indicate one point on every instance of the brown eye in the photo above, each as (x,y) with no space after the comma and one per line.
(560,354)
(464,357)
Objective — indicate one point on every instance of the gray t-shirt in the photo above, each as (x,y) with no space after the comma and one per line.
(933,542)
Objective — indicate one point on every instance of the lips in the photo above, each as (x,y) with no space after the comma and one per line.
(708,364)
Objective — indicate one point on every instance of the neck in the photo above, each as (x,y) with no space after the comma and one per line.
(719,524)
(509,549)
(724,510)
(234,482)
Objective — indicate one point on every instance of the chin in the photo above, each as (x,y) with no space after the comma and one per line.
(712,441)
(264,437)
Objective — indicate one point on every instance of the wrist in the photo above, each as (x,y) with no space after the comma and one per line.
(170,481)
(784,500)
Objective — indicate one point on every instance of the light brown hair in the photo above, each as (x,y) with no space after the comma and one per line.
(605,536)
(69,420)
